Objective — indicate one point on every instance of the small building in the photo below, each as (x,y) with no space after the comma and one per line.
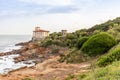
(39,34)
(64,33)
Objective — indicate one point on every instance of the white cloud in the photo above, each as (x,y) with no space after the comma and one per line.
(49,2)
(52,22)
(12,13)
(88,15)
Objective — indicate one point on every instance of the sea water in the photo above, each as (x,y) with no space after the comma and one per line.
(7,43)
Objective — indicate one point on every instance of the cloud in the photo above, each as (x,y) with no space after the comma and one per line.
(63,9)
(49,2)
(54,15)
(7,13)
(36,10)
(35,7)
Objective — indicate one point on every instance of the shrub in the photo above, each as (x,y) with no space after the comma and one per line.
(55,50)
(58,43)
(115,31)
(98,44)
(81,41)
(47,43)
(74,56)
(114,55)
(28,79)
(71,40)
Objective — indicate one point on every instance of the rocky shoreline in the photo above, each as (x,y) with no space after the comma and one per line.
(49,69)
(31,51)
(46,62)
(26,52)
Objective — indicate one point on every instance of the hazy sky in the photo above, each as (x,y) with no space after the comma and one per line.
(21,16)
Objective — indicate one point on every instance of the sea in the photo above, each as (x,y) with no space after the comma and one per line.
(7,43)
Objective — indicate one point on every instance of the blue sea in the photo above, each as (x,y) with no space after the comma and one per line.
(7,43)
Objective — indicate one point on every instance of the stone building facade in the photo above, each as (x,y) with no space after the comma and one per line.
(39,34)
(64,33)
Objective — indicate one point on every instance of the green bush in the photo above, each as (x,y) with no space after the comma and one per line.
(47,43)
(71,40)
(98,44)
(58,43)
(114,55)
(81,41)
(115,31)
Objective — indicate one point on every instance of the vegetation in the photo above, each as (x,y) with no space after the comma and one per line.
(106,26)
(102,39)
(81,41)
(46,43)
(115,31)
(49,42)
(28,79)
(94,41)
(98,44)
(74,56)
(111,56)
(71,40)
(55,49)
(111,72)
(86,44)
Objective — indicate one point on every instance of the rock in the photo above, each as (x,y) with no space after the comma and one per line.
(31,46)
(1,58)
(23,43)
(27,62)
(19,59)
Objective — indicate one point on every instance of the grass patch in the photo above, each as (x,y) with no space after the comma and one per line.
(111,72)
(28,78)
(111,56)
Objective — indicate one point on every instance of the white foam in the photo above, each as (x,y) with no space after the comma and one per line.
(10,48)
(7,64)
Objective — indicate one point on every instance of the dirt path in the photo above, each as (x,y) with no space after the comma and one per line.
(50,69)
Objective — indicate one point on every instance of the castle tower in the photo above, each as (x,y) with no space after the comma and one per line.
(39,34)
(64,33)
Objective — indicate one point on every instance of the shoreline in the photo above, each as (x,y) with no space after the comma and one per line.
(28,51)
(8,58)
(46,65)
(49,69)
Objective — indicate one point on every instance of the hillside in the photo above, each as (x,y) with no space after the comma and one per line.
(86,54)
(75,41)
(100,42)
(106,26)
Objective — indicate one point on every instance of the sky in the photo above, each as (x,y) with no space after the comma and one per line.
(20,17)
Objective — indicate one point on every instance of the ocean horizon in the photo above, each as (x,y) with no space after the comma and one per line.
(7,42)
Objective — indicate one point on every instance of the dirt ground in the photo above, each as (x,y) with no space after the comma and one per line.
(50,69)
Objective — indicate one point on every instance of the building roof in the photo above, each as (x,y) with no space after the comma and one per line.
(41,30)
(63,30)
